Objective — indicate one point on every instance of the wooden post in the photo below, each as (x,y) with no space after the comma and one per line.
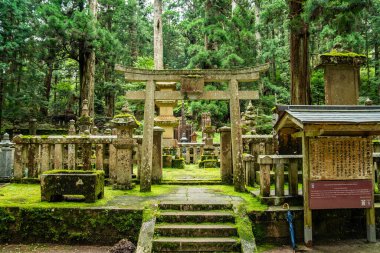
(236,137)
(308,222)
(371,224)
(58,157)
(45,157)
(147,145)
(279,179)
(265,166)
(157,155)
(226,170)
(293,177)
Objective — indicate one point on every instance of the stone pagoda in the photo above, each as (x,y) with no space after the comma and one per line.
(248,120)
(165,118)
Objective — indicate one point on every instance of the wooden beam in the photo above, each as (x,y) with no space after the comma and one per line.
(177,95)
(210,75)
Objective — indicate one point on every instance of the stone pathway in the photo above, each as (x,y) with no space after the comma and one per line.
(187,194)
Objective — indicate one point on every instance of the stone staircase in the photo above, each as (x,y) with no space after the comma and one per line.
(196,228)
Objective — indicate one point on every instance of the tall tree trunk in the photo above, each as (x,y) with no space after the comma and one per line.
(47,85)
(158,42)
(133,31)
(376,61)
(299,55)
(257,32)
(88,68)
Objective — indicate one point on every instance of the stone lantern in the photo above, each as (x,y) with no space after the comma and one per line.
(124,124)
(342,76)
(85,121)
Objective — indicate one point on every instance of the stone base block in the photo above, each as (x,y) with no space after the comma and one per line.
(178,163)
(56,183)
(167,161)
(209,164)
(279,201)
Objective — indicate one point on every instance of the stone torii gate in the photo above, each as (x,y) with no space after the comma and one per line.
(192,83)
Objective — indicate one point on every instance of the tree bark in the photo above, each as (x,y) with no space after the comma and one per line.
(257,22)
(88,69)
(47,84)
(299,55)
(158,41)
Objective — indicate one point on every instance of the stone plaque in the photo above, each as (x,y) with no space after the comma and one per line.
(340,158)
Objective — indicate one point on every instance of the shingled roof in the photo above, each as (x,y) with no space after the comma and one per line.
(300,116)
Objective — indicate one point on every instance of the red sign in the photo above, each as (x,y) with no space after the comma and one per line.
(340,194)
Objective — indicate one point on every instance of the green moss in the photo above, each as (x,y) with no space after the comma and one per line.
(99,172)
(343,54)
(127,115)
(243,224)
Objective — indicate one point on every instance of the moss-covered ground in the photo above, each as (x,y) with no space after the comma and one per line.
(29,195)
(191,172)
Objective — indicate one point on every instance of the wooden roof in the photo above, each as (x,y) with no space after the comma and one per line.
(330,119)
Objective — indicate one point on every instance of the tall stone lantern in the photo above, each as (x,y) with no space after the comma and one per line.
(342,76)
(124,124)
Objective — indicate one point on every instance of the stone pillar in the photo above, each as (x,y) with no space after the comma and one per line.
(157,155)
(98,151)
(249,170)
(71,148)
(86,150)
(6,157)
(195,154)
(342,77)
(236,137)
(58,157)
(45,157)
(187,158)
(226,170)
(33,127)
(147,144)
(112,159)
(124,123)
(32,160)
(18,164)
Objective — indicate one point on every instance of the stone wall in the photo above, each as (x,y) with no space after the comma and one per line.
(69,225)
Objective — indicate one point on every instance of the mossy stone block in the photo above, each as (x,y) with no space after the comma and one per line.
(167,161)
(55,184)
(178,163)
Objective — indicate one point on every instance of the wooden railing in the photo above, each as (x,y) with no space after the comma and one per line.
(277,164)
(36,154)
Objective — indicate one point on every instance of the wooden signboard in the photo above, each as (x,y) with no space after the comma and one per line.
(340,173)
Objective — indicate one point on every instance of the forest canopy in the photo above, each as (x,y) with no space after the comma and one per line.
(46,47)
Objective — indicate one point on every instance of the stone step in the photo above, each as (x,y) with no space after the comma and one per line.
(196,230)
(195,216)
(206,244)
(194,206)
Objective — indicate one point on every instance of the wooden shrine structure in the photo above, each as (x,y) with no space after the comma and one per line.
(192,84)
(337,158)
